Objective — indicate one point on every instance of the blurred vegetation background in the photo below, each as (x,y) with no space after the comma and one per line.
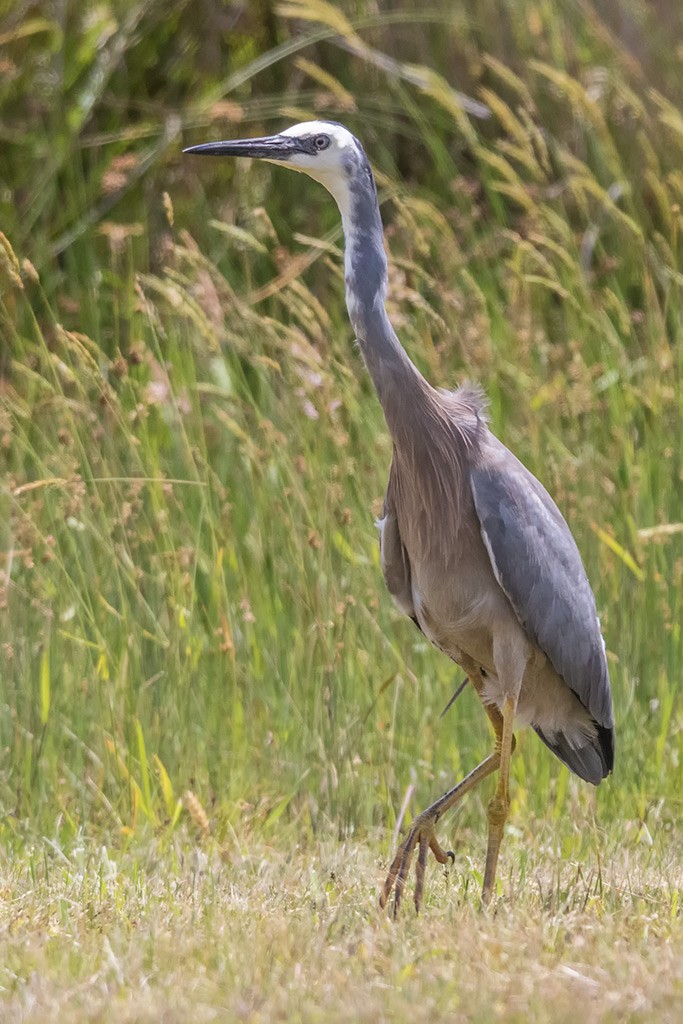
(190,593)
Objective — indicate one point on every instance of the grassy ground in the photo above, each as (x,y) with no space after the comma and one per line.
(261,934)
(210,712)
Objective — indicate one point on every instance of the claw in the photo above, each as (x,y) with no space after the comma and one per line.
(422,836)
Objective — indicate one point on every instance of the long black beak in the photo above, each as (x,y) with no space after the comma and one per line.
(271,147)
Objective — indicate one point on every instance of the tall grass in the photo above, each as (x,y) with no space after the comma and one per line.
(190,592)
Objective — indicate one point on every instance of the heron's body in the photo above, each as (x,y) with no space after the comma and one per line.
(442,575)
(473,548)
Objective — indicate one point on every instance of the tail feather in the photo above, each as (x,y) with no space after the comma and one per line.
(592,762)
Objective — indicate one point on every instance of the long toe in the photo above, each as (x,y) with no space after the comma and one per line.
(421,836)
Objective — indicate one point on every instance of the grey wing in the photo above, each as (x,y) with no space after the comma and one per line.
(538,565)
(393,555)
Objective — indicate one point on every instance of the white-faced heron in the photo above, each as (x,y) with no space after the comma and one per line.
(473,548)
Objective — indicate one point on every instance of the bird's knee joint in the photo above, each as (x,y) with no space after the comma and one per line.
(499,745)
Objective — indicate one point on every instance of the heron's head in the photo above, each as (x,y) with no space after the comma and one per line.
(324,150)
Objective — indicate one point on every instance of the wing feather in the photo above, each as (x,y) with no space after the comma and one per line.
(538,565)
(393,555)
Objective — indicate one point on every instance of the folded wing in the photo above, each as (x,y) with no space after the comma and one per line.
(538,566)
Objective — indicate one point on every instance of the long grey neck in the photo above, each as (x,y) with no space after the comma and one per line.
(395,377)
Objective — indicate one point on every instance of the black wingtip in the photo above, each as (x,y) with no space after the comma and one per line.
(606,741)
(592,762)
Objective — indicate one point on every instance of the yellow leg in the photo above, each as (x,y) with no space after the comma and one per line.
(500,803)
(421,834)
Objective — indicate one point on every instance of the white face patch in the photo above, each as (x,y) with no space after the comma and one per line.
(341,138)
(328,165)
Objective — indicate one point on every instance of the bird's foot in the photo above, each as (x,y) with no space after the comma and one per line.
(421,835)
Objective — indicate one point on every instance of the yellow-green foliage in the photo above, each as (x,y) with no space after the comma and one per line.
(193,625)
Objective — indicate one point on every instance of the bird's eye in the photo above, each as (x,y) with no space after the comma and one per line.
(321,141)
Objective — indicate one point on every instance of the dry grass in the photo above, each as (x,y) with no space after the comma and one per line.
(196,646)
(259,934)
